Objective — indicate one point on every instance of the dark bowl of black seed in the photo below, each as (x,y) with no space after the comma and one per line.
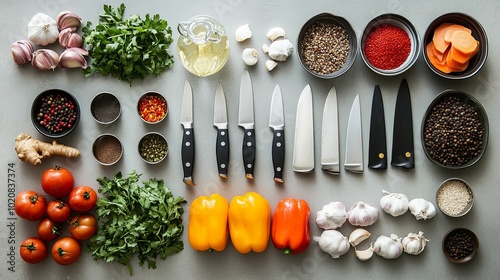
(105,108)
(455,130)
(55,113)
(460,245)
(327,46)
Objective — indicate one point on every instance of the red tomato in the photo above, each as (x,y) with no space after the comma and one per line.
(57,182)
(66,250)
(30,205)
(83,227)
(82,199)
(33,250)
(48,230)
(58,211)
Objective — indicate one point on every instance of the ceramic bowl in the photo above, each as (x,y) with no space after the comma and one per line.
(474,243)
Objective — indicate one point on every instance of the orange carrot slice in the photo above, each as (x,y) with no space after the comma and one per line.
(464,42)
(439,37)
(454,65)
(450,30)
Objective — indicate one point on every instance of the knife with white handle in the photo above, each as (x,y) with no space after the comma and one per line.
(277,124)
(246,120)
(330,159)
(220,122)
(354,140)
(303,146)
(187,150)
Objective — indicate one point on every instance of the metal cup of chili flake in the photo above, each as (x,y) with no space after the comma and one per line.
(152,107)
(153,147)
(390,44)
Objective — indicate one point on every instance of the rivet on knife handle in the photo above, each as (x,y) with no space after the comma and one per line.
(187,155)
(222,152)
(278,152)
(249,152)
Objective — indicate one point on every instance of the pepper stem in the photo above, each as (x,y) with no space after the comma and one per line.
(287,251)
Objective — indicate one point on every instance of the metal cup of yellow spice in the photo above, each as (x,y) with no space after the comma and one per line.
(105,108)
(454,197)
(153,147)
(152,107)
(107,149)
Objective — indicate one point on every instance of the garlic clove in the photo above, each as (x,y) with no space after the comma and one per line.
(21,52)
(250,56)
(68,38)
(280,50)
(364,255)
(275,33)
(242,33)
(358,235)
(42,30)
(68,19)
(270,65)
(73,58)
(45,59)
(265,48)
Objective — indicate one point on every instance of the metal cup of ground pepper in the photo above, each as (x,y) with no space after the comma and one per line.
(153,147)
(105,108)
(107,149)
(152,107)
(460,245)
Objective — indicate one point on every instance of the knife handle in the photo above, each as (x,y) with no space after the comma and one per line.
(249,152)
(187,155)
(278,152)
(222,152)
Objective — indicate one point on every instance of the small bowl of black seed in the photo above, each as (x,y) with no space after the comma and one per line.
(460,245)
(55,113)
(105,108)
(455,130)
(327,46)
(454,197)
(107,149)
(153,147)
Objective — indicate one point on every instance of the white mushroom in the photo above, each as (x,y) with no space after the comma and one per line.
(275,33)
(250,56)
(270,64)
(242,33)
(280,50)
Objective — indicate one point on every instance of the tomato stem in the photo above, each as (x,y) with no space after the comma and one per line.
(57,167)
(30,247)
(86,195)
(34,198)
(61,252)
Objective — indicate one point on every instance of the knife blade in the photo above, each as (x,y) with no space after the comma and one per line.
(377,148)
(354,139)
(277,123)
(246,120)
(330,158)
(303,146)
(402,143)
(187,150)
(220,122)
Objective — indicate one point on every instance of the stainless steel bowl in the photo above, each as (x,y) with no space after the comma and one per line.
(454,197)
(147,95)
(107,149)
(105,108)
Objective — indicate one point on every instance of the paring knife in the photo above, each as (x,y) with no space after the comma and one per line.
(277,123)
(377,153)
(354,140)
(220,121)
(402,143)
(246,120)
(330,158)
(303,146)
(187,150)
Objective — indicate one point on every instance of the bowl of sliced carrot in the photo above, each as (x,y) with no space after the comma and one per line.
(455,46)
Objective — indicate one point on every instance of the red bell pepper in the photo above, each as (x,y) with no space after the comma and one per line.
(290,226)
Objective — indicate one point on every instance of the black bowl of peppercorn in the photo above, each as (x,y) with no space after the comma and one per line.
(455,130)
(55,113)
(460,245)
(327,46)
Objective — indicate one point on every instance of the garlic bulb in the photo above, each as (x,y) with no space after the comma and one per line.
(395,204)
(275,33)
(45,59)
(250,56)
(68,38)
(242,33)
(422,209)
(388,247)
(280,50)
(331,216)
(362,214)
(21,52)
(333,242)
(358,235)
(270,65)
(73,58)
(414,244)
(42,30)
(68,19)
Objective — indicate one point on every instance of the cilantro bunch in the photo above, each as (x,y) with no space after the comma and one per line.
(136,219)
(130,48)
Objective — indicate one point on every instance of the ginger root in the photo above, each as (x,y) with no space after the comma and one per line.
(33,151)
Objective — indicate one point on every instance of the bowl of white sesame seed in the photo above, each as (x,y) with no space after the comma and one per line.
(454,197)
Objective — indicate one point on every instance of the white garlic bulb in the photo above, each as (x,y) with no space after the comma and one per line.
(422,209)
(414,244)
(280,50)
(388,247)
(333,242)
(42,30)
(250,56)
(242,33)
(395,204)
(333,215)
(362,214)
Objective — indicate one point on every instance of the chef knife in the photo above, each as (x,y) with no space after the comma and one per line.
(354,140)
(330,159)
(277,123)
(377,148)
(303,146)
(246,120)
(187,150)
(220,121)
(402,143)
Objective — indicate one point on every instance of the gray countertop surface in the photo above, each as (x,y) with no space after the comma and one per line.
(19,86)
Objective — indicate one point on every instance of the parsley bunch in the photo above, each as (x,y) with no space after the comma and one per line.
(136,219)
(129,48)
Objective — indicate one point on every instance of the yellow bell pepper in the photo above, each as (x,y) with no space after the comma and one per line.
(249,222)
(207,229)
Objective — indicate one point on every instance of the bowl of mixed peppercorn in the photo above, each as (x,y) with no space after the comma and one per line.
(55,113)
(455,130)
(460,245)
(390,44)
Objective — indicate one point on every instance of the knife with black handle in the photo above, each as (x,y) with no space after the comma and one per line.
(187,149)
(246,120)
(222,141)
(377,152)
(402,143)
(277,124)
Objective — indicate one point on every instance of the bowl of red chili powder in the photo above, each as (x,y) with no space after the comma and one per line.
(152,107)
(390,44)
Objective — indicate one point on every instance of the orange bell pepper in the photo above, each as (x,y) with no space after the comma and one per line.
(207,228)
(290,229)
(249,222)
